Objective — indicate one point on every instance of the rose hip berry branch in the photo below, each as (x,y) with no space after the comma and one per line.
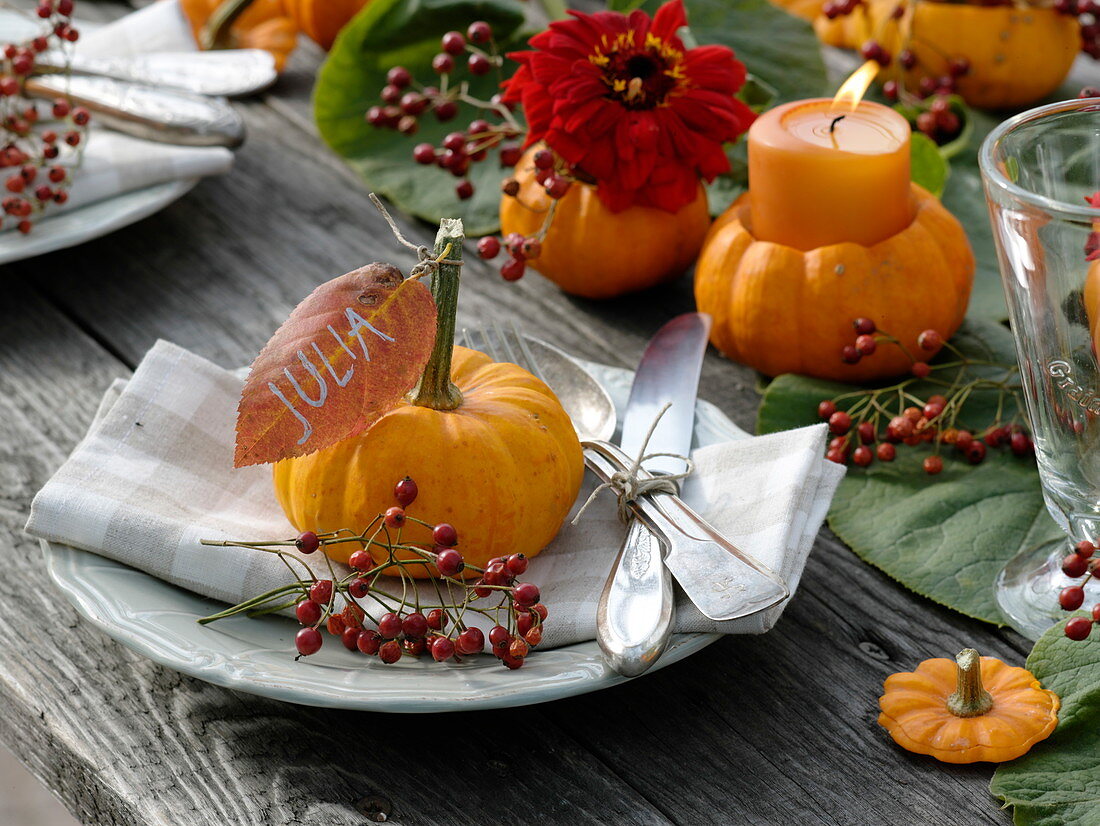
(407,626)
(911,420)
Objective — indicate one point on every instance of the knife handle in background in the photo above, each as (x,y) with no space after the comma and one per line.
(634,617)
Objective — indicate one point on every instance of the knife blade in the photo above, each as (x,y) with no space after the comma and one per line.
(635,612)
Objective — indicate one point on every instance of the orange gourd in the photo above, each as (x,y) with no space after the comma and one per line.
(806,9)
(321,20)
(1017,55)
(488,444)
(967,710)
(593,252)
(782,310)
(243,24)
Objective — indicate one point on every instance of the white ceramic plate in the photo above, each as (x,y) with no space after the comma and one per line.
(67,229)
(158,620)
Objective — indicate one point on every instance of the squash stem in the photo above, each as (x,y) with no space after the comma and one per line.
(436,390)
(215,32)
(970,698)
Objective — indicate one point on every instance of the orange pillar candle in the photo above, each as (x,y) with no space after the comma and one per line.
(821,173)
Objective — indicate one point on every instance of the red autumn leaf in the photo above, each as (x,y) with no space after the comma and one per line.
(345,356)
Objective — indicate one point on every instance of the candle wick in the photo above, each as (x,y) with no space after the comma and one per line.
(834,122)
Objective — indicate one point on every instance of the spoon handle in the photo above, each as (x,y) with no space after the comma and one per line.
(231,72)
(145,112)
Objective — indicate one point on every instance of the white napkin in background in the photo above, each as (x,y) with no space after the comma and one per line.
(154,475)
(114,163)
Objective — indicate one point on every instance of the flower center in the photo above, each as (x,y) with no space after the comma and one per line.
(639,76)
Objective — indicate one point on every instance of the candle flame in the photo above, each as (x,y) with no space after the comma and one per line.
(855,87)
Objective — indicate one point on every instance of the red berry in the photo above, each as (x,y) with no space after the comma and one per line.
(886,452)
(445,534)
(9,86)
(307,542)
(449,562)
(526,594)
(398,76)
(1085,549)
(308,612)
(470,641)
(929,340)
(60,108)
(335,625)
(361,561)
(866,345)
(15,183)
(531,249)
(839,423)
(540,609)
(524,621)
(849,354)
(22,64)
(389,94)
(488,247)
(1020,444)
(1071,598)
(1096,607)
(442,649)
(932,465)
(557,186)
(453,43)
(64,7)
(389,626)
(1074,565)
(308,641)
(359,588)
(863,456)
(479,32)
(479,64)
(445,110)
(958,66)
(544,159)
(395,517)
(516,564)
(518,648)
(963,440)
(975,452)
(437,619)
(72,138)
(415,625)
(891,89)
(1078,628)
(368,642)
(424,153)
(920,369)
(443,64)
(837,455)
(826,409)
(57,174)
(350,638)
(321,591)
(498,634)
(464,190)
(932,410)
(509,156)
(866,432)
(389,652)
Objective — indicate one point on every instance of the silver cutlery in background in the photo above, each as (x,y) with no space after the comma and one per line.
(227,72)
(168,116)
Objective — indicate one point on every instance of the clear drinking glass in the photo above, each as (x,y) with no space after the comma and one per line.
(1038,169)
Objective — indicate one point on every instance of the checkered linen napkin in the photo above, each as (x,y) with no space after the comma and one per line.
(155,474)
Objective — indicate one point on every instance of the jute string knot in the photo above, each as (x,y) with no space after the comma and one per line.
(425,263)
(633,482)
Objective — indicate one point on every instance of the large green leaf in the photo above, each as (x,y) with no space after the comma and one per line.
(407,32)
(948,536)
(1057,783)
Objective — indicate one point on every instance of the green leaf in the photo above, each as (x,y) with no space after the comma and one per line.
(946,537)
(929,167)
(406,33)
(1057,783)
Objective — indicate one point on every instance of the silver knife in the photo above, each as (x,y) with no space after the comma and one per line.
(154,114)
(228,72)
(634,616)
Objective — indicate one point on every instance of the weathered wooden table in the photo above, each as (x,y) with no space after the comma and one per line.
(753,730)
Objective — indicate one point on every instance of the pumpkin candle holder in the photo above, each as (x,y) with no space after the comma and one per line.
(831,230)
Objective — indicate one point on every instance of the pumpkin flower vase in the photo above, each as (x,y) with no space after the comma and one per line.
(967,710)
(491,447)
(783,310)
(624,123)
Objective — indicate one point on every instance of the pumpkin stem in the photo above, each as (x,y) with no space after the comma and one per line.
(970,698)
(215,32)
(436,390)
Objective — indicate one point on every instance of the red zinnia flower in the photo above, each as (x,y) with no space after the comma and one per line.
(623,102)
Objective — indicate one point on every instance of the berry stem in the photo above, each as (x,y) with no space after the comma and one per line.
(970,698)
(436,390)
(215,32)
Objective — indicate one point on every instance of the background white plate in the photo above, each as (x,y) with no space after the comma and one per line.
(157,619)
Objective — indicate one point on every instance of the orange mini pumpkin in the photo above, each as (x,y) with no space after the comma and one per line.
(489,445)
(782,310)
(321,20)
(1017,55)
(967,710)
(243,24)
(593,252)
